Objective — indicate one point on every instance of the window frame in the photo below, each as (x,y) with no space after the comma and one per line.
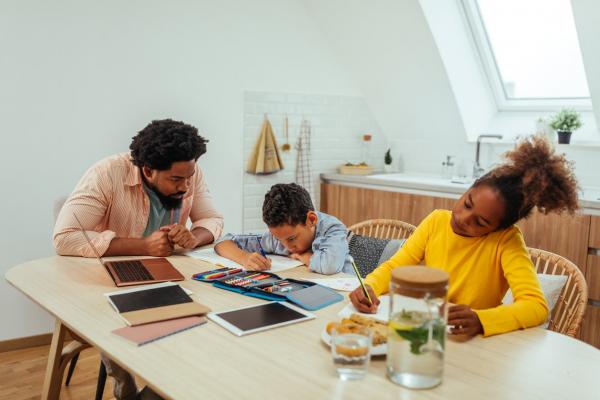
(490,67)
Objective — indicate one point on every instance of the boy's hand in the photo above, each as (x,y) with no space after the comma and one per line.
(180,235)
(304,257)
(256,262)
(158,244)
(465,321)
(361,302)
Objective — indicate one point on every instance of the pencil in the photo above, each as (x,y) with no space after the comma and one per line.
(364,288)
(262,252)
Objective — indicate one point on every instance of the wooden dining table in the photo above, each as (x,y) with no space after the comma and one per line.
(290,362)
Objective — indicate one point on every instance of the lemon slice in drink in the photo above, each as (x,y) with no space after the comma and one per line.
(400,326)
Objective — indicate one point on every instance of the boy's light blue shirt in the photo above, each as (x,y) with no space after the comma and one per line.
(329,247)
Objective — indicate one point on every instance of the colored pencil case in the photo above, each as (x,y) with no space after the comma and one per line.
(308,295)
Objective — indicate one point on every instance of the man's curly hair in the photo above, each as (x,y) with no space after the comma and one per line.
(163,142)
(286,203)
(533,176)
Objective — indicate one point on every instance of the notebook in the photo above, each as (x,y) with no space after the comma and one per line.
(278,263)
(143,334)
(152,304)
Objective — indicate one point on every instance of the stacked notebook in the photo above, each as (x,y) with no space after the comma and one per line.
(155,311)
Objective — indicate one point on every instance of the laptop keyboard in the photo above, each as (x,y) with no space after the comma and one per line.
(131,271)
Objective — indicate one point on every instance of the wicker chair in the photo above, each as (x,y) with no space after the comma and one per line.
(383,229)
(567,315)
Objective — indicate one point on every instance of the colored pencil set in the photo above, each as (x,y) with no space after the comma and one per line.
(217,273)
(247,280)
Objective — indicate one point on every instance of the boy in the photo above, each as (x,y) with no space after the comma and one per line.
(296,230)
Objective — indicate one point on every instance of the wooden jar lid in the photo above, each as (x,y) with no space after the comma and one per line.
(419,281)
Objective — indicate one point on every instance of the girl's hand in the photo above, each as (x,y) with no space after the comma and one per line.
(361,302)
(465,321)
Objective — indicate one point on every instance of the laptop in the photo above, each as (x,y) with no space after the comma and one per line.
(136,272)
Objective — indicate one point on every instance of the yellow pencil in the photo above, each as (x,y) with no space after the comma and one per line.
(364,288)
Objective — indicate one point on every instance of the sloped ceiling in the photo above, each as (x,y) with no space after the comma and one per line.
(391,53)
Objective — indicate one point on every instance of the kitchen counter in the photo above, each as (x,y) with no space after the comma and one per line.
(432,185)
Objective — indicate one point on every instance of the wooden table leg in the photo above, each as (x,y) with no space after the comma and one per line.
(58,358)
(53,378)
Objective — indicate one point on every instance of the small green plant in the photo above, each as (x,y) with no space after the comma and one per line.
(566,120)
(388,158)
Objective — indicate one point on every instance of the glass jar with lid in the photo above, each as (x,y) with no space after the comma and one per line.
(417,326)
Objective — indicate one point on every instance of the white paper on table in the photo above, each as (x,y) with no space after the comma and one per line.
(278,263)
(383,311)
(281,263)
(341,284)
(208,254)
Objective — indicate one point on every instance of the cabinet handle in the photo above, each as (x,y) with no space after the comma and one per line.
(593,251)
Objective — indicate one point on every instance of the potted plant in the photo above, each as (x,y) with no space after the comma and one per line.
(387,160)
(564,123)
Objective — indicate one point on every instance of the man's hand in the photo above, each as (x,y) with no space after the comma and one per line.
(158,244)
(361,302)
(256,262)
(181,236)
(465,321)
(304,257)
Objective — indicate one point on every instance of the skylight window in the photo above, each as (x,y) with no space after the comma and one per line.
(530,50)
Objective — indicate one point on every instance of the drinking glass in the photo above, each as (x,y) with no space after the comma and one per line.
(351,351)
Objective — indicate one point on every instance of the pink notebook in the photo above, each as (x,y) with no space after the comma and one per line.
(142,334)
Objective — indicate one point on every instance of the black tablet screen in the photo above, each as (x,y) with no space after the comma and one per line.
(261,316)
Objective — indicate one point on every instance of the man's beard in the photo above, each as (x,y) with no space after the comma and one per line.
(168,202)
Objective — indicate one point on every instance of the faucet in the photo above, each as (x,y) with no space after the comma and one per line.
(477,169)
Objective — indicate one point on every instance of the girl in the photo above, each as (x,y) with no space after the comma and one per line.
(478,244)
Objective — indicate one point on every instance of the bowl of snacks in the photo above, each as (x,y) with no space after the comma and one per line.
(355,322)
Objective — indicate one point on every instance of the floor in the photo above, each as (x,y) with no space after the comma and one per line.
(22,375)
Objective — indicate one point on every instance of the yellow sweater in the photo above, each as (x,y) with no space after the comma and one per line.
(481,271)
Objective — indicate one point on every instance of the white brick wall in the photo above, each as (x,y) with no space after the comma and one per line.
(338,123)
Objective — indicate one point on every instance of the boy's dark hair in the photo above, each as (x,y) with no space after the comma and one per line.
(533,176)
(163,142)
(286,203)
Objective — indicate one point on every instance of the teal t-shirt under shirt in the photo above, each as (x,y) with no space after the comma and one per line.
(159,215)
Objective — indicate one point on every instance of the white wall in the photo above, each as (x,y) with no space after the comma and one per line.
(78,79)
(587,22)
(337,126)
(392,54)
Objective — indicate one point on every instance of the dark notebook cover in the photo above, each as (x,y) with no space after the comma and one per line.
(150,298)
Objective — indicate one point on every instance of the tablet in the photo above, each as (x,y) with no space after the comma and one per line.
(247,320)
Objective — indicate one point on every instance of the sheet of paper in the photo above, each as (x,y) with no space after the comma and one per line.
(209,255)
(281,263)
(341,284)
(278,263)
(382,314)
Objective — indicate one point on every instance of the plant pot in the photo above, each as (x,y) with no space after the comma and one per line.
(564,137)
(388,168)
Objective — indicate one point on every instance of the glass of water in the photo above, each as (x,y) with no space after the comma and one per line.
(351,351)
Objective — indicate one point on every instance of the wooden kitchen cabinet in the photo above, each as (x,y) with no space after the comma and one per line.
(594,241)
(590,329)
(592,273)
(565,234)
(592,277)
(353,204)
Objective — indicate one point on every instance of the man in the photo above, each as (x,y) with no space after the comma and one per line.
(138,203)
